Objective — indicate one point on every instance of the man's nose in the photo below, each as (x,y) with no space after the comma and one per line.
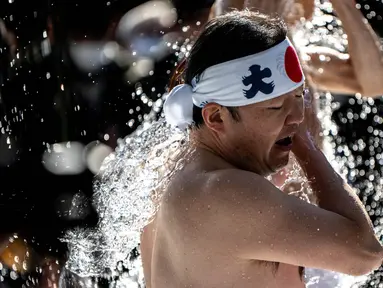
(296,114)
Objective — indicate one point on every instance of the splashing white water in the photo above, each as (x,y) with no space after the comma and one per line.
(123,198)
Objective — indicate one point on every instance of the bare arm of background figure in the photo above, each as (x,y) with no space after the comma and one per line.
(362,70)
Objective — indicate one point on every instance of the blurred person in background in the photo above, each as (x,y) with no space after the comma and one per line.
(328,69)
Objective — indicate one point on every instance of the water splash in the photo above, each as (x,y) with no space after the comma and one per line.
(124,194)
(316,278)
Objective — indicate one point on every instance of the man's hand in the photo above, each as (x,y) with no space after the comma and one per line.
(309,129)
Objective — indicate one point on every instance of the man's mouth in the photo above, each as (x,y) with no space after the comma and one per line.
(285,143)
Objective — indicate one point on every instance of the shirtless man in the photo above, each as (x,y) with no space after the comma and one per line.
(220,222)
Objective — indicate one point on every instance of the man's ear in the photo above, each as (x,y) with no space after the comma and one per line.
(213,116)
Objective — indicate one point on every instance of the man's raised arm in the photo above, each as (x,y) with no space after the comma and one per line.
(254,220)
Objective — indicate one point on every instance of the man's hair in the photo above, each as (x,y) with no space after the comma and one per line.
(230,36)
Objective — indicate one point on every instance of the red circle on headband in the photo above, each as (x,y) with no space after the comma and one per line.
(292,66)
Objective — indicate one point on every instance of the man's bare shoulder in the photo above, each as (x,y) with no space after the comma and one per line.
(206,183)
(197,195)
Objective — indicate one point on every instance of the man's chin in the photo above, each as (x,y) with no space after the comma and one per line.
(281,163)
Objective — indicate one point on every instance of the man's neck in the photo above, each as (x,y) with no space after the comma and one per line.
(206,141)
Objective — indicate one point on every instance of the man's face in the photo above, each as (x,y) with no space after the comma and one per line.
(261,140)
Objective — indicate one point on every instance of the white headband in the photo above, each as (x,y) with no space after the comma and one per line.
(239,82)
